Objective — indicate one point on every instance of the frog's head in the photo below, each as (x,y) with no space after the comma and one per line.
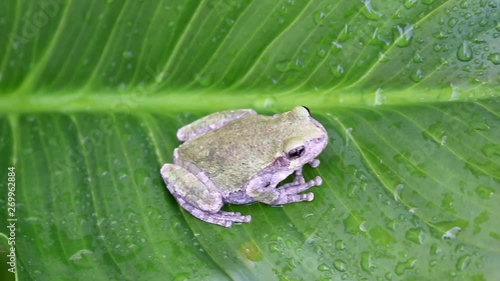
(306,138)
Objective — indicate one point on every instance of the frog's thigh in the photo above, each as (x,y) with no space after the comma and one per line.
(211,122)
(182,183)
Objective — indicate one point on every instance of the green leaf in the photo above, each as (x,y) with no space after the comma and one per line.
(92,94)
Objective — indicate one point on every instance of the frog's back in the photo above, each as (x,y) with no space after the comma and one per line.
(235,153)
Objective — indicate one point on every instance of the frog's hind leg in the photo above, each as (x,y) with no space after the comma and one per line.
(222,218)
(200,198)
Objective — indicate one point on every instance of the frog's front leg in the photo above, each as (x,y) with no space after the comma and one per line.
(264,191)
(299,178)
(198,196)
(211,122)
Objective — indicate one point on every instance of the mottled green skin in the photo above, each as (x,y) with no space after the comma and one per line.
(237,152)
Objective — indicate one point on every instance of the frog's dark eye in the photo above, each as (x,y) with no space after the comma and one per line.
(307,109)
(296,152)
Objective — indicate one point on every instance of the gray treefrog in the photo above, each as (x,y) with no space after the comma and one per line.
(239,157)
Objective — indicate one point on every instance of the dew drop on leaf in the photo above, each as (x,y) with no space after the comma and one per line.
(340,245)
(451,233)
(397,192)
(345,33)
(414,235)
(401,267)
(452,22)
(340,265)
(464,52)
(417,76)
(287,65)
(337,71)
(463,262)
(368,11)
(409,3)
(128,55)
(484,192)
(318,17)
(366,262)
(464,4)
(417,58)
(323,267)
(402,35)
(321,53)
(494,58)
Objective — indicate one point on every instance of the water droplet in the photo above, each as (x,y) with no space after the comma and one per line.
(403,35)
(337,71)
(464,52)
(484,192)
(352,190)
(464,4)
(427,2)
(391,225)
(288,65)
(437,47)
(415,235)
(128,55)
(340,245)
(273,248)
(452,22)
(366,262)
(401,267)
(78,255)
(417,58)
(291,262)
(451,233)
(369,12)
(322,53)
(409,3)
(323,267)
(379,98)
(397,191)
(383,57)
(494,58)
(344,34)
(340,265)
(463,262)
(417,76)
(318,17)
(352,223)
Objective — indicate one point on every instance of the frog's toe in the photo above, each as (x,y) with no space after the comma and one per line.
(314,163)
(317,181)
(306,197)
(246,218)
(228,222)
(233,217)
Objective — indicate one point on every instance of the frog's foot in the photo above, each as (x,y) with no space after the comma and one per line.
(222,218)
(294,188)
(288,193)
(292,198)
(299,178)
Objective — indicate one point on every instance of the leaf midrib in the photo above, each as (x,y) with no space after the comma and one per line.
(200,101)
